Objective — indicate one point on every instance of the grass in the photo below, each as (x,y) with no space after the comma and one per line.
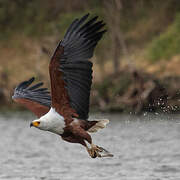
(167,44)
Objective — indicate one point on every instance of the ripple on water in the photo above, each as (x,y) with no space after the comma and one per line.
(145,148)
(166,169)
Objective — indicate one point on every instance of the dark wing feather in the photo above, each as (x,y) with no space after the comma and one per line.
(36,99)
(71,70)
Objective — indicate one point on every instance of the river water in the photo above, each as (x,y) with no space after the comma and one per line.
(144,147)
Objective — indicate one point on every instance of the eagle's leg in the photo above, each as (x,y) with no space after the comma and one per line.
(83,135)
(103,152)
(94,151)
(73,139)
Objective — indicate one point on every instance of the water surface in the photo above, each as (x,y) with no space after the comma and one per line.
(144,148)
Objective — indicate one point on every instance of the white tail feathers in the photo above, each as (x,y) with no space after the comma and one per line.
(99,125)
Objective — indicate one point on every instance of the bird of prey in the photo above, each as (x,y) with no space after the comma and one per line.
(65,110)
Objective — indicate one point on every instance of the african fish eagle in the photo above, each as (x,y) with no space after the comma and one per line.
(65,111)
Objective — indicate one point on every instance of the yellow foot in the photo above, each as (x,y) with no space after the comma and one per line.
(95,151)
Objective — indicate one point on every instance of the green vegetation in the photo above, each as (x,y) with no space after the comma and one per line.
(30,30)
(167,44)
(40,17)
(20,17)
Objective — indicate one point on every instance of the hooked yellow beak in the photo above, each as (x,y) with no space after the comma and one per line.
(34,123)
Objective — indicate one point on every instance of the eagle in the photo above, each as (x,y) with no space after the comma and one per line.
(64,110)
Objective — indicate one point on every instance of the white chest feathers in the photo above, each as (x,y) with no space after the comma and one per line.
(52,121)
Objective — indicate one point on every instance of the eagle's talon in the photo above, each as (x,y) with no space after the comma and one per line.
(100,149)
(94,151)
(94,155)
(101,152)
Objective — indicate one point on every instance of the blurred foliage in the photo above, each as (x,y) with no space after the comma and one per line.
(30,30)
(40,17)
(25,17)
(140,21)
(167,44)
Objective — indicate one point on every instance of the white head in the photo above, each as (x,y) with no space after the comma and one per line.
(52,121)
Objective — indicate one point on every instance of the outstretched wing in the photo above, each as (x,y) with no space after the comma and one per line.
(70,68)
(36,99)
